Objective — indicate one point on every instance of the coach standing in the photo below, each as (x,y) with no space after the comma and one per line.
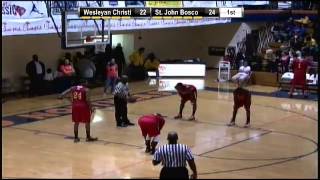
(121,94)
(173,157)
(36,72)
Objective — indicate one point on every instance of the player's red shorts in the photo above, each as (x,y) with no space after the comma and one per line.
(149,126)
(191,98)
(299,79)
(242,97)
(81,113)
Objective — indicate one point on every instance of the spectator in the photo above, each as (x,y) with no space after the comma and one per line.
(107,55)
(36,72)
(112,75)
(67,69)
(151,63)
(49,75)
(121,95)
(136,69)
(285,59)
(101,60)
(49,78)
(118,55)
(61,60)
(87,69)
(271,58)
(173,157)
(310,46)
(67,76)
(136,58)
(296,42)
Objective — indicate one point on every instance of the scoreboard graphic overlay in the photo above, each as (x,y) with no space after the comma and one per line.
(161,13)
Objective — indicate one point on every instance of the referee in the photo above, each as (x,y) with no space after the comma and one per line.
(121,94)
(173,157)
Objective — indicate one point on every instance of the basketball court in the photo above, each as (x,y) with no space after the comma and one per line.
(37,133)
(282,142)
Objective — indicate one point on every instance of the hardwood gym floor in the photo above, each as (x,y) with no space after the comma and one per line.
(281,143)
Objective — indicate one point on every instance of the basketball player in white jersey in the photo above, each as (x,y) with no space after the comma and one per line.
(243,75)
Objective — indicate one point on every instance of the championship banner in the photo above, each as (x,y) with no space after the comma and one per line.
(164,4)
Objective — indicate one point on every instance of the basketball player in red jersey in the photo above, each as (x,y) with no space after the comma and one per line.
(300,68)
(187,92)
(151,126)
(241,97)
(81,109)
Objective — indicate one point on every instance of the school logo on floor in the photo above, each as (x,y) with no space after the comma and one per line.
(50,113)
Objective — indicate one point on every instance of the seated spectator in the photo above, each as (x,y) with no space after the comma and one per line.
(49,78)
(271,58)
(67,69)
(296,42)
(151,63)
(310,42)
(243,75)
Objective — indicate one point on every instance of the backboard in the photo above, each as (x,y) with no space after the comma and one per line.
(77,32)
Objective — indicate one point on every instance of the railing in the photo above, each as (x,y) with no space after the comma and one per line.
(265,37)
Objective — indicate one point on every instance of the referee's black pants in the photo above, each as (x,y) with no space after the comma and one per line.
(174,173)
(121,110)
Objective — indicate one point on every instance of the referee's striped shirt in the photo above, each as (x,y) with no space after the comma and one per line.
(173,155)
(121,90)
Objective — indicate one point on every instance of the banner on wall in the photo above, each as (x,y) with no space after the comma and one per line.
(30,17)
(23,9)
(163,4)
(45,25)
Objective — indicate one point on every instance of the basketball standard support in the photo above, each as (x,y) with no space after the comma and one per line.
(48,6)
(224,71)
(71,40)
